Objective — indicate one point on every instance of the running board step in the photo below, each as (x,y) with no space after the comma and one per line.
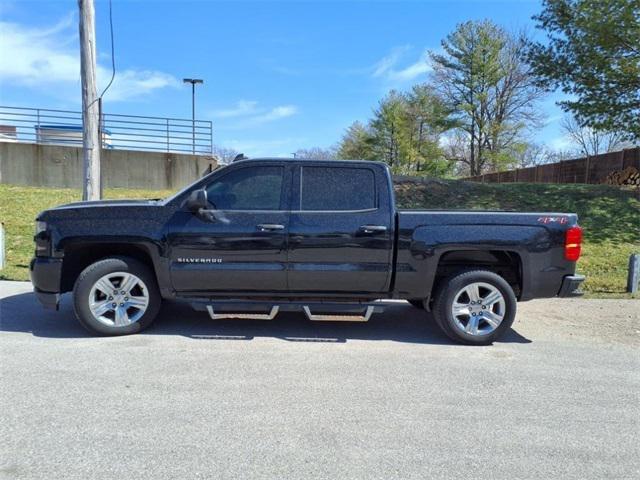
(338,317)
(251,316)
(266,310)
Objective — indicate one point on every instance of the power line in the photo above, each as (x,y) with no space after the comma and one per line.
(113,54)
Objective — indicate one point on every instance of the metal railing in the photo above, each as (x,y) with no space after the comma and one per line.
(130,132)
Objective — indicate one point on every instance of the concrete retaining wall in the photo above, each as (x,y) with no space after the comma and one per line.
(61,166)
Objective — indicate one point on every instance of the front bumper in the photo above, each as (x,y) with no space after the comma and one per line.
(46,273)
(48,300)
(570,286)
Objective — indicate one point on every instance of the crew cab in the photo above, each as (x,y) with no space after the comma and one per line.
(261,236)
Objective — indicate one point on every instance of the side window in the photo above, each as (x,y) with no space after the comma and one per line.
(326,188)
(251,188)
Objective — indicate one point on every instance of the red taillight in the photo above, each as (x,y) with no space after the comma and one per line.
(572,242)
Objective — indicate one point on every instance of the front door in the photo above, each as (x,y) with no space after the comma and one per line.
(242,244)
(340,231)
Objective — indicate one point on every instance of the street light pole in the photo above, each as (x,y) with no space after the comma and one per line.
(193,82)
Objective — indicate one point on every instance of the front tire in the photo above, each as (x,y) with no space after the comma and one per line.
(475,307)
(116,296)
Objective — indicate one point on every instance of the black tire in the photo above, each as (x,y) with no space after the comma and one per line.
(445,296)
(417,303)
(96,271)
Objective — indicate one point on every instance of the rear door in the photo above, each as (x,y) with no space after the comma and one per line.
(243,247)
(340,229)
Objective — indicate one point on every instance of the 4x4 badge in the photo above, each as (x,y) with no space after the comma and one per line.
(561,220)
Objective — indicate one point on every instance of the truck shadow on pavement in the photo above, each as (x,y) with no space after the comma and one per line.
(398,323)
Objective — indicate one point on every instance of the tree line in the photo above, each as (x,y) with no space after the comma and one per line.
(479,108)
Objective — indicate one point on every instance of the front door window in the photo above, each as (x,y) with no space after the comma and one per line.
(253,188)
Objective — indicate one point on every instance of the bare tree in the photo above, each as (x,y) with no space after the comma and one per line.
(591,141)
(513,107)
(317,153)
(455,146)
(560,155)
(224,155)
(531,154)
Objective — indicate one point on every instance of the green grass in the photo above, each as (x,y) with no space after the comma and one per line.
(610,218)
(19,207)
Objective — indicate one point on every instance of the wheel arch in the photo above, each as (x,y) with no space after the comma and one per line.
(79,255)
(506,263)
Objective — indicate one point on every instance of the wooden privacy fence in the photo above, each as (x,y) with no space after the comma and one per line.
(594,169)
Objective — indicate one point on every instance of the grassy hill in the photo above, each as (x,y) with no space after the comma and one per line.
(610,218)
(19,207)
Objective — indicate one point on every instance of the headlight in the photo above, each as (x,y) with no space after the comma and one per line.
(40,227)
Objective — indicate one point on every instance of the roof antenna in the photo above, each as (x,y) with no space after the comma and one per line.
(240,156)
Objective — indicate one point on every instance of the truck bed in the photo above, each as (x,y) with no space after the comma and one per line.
(534,240)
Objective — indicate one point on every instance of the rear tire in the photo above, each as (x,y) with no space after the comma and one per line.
(475,307)
(116,296)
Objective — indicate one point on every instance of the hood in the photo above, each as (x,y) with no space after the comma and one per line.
(96,208)
(107,203)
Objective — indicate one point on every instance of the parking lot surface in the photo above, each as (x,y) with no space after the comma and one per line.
(388,399)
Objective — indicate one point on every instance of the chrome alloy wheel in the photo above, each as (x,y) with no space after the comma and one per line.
(478,309)
(118,299)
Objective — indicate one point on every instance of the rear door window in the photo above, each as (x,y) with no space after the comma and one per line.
(337,189)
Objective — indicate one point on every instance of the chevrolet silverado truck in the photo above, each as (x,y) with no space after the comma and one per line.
(321,237)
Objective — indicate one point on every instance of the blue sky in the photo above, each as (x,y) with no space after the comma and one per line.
(278,75)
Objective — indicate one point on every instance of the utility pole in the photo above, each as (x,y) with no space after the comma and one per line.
(193,82)
(90,110)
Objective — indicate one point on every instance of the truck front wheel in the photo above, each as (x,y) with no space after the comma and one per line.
(475,307)
(116,296)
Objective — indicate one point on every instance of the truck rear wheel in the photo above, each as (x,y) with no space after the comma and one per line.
(475,307)
(116,296)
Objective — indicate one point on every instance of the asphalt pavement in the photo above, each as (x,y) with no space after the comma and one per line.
(558,397)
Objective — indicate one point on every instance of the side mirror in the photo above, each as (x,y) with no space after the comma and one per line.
(197,201)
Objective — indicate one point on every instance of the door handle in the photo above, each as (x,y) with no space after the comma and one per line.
(373,228)
(268,227)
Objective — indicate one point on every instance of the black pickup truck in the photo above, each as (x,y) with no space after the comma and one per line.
(323,237)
